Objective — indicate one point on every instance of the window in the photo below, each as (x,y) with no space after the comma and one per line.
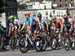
(65,5)
(57,14)
(65,0)
(61,14)
(30,7)
(60,0)
(44,6)
(42,0)
(60,5)
(53,11)
(50,14)
(71,5)
(54,0)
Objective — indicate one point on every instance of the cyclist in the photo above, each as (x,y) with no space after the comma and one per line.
(58,24)
(11,19)
(11,25)
(41,22)
(28,22)
(16,22)
(46,21)
(49,22)
(67,23)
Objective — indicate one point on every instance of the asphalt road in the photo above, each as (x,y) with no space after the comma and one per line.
(34,53)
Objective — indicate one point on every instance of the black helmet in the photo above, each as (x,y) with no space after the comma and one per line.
(34,15)
(39,14)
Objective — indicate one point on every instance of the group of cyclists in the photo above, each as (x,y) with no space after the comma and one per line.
(45,23)
(34,24)
(42,23)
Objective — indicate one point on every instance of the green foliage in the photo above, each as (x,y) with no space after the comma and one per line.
(1,6)
(21,6)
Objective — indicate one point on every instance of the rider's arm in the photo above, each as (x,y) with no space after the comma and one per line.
(31,22)
(30,25)
(9,30)
(61,24)
(22,27)
(24,23)
(19,28)
(71,27)
(46,25)
(53,26)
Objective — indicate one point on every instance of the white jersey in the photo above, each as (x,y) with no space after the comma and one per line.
(70,20)
(16,21)
(40,22)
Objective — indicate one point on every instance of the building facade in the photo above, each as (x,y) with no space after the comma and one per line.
(34,0)
(64,3)
(59,3)
(72,12)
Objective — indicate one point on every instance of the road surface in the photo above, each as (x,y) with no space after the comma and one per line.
(34,53)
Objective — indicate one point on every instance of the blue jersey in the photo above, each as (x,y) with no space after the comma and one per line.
(29,20)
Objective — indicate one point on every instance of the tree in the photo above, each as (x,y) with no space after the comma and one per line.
(1,6)
(21,6)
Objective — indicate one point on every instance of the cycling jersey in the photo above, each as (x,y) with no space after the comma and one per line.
(16,21)
(11,27)
(67,20)
(57,22)
(40,22)
(11,24)
(49,21)
(29,20)
(67,23)
(73,22)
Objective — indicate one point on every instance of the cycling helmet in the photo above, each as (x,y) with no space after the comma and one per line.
(34,15)
(15,17)
(11,17)
(39,14)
